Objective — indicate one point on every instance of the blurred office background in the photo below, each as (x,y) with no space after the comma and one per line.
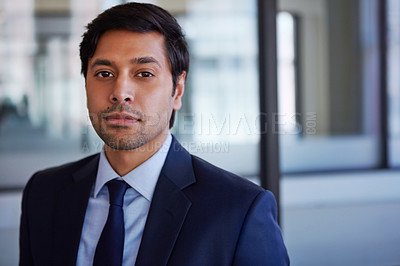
(337,124)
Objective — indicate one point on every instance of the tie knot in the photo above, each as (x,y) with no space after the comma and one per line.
(116,190)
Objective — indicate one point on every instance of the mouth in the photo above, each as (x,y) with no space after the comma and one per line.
(120,119)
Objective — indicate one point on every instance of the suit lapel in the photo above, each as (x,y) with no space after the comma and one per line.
(70,214)
(168,209)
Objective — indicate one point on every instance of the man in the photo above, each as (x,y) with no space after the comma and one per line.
(171,208)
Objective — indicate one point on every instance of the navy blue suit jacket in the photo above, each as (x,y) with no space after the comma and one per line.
(199,215)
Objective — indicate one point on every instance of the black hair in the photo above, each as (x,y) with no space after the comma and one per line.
(139,17)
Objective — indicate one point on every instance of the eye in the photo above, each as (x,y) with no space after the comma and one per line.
(145,74)
(104,74)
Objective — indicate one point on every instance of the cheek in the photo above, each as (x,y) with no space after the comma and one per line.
(95,99)
(90,102)
(160,104)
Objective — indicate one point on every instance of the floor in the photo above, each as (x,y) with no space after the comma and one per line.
(342,219)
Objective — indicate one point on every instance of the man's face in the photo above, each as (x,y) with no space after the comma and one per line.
(129,89)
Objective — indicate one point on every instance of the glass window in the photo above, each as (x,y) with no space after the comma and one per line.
(42,96)
(288,86)
(328,85)
(393,65)
(43,117)
(219,120)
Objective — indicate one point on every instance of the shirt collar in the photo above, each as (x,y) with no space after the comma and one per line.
(143,178)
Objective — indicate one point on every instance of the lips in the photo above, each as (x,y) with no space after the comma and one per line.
(120,119)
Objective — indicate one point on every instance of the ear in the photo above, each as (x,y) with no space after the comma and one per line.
(179,90)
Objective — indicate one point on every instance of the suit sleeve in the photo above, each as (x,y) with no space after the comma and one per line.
(25,254)
(260,241)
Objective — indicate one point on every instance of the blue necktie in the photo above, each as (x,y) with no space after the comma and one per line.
(110,247)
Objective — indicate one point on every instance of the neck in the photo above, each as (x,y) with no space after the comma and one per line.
(124,161)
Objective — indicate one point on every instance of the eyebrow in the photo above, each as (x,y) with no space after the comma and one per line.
(145,60)
(139,60)
(101,62)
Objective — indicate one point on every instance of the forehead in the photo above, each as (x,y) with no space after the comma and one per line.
(127,45)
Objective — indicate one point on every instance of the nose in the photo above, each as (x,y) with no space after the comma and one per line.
(123,91)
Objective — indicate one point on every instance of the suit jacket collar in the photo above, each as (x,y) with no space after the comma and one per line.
(70,212)
(178,166)
(166,215)
(168,208)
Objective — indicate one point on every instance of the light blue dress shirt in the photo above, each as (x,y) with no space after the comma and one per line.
(137,201)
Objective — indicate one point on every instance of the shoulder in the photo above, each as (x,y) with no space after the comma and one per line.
(206,170)
(67,168)
(56,175)
(45,186)
(221,183)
